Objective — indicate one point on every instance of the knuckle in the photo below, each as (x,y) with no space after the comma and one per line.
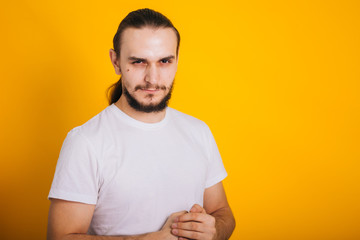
(195,235)
(194,226)
(178,214)
(181,212)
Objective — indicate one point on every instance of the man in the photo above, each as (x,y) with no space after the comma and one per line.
(140,169)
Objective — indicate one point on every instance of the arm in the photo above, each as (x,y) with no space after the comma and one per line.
(216,204)
(213,222)
(71,220)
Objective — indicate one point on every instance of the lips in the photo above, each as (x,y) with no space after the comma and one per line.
(150,88)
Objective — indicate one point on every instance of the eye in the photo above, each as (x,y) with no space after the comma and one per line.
(165,61)
(137,62)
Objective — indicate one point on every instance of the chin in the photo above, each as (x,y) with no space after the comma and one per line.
(149,102)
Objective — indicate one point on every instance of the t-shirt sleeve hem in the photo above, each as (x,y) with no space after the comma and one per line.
(216,179)
(74,197)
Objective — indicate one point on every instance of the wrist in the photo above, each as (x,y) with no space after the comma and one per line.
(156,235)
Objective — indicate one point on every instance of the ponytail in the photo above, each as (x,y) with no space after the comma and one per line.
(115,92)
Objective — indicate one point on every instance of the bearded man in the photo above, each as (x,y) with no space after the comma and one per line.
(140,169)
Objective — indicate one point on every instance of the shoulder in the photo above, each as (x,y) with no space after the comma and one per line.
(94,129)
(189,122)
(180,116)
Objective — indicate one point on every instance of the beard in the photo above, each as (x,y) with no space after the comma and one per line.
(152,107)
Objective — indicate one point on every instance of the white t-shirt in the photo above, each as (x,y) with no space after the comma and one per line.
(136,173)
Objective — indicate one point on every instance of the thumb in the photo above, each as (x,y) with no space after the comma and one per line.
(172,218)
(196,208)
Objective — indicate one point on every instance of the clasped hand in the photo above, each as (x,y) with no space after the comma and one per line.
(196,224)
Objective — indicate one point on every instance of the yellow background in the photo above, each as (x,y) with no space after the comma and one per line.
(276,81)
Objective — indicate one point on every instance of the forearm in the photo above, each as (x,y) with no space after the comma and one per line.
(224,224)
(147,236)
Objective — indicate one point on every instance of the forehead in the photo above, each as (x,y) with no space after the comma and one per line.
(148,42)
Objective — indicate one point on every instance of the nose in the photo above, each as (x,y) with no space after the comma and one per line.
(152,74)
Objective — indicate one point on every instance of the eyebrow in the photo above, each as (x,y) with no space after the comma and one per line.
(132,58)
(136,59)
(168,57)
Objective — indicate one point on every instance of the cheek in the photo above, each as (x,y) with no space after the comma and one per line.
(132,75)
(169,74)
(130,69)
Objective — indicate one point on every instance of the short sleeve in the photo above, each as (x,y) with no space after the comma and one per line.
(76,176)
(216,170)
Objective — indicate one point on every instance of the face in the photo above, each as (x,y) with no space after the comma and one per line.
(148,63)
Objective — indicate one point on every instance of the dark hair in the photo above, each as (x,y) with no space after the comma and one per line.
(137,19)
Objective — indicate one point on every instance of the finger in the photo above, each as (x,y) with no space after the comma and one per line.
(179,213)
(172,218)
(197,217)
(197,209)
(190,226)
(187,234)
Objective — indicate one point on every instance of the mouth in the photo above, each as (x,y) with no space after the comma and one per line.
(150,90)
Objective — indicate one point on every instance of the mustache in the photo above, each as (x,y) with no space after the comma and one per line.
(150,86)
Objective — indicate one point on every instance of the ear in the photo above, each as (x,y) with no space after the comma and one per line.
(115,61)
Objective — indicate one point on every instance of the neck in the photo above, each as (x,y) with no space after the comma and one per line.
(152,117)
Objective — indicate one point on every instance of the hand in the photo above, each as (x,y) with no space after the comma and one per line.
(165,232)
(196,224)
